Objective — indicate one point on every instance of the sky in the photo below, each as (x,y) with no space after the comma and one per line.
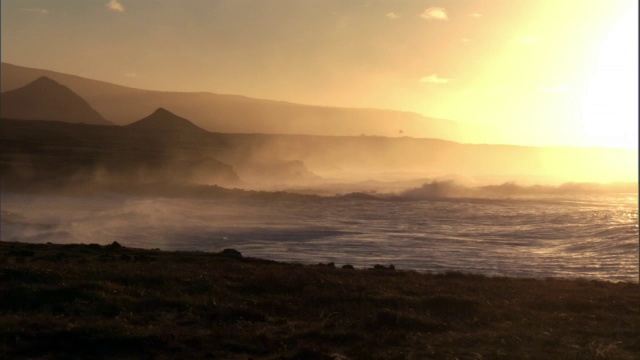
(534,72)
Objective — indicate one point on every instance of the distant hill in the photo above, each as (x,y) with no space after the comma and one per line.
(45,99)
(164,120)
(238,114)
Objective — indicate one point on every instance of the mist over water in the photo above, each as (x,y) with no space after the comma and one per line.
(564,235)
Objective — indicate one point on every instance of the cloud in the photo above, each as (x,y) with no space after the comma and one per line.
(115,5)
(475,15)
(434,79)
(392,15)
(435,13)
(131,74)
(37,10)
(465,40)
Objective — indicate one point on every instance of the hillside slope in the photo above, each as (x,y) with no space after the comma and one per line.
(46,99)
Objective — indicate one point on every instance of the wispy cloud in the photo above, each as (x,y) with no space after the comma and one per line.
(392,15)
(475,15)
(37,10)
(435,13)
(465,40)
(434,79)
(115,5)
(131,74)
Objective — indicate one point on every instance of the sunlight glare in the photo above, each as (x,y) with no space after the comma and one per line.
(610,105)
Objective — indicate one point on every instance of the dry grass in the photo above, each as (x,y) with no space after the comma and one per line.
(100,302)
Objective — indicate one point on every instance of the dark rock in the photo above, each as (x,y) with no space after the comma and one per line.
(331,264)
(21,253)
(232,253)
(382,267)
(144,258)
(114,245)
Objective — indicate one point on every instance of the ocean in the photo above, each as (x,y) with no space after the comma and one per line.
(569,236)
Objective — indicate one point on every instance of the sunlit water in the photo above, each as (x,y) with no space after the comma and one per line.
(569,236)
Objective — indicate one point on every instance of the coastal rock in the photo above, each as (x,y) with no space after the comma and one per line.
(232,253)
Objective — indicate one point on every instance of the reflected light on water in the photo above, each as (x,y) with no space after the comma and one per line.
(594,237)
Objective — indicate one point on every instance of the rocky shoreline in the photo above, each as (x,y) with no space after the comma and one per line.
(103,302)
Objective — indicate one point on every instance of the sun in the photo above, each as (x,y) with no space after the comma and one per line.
(609,107)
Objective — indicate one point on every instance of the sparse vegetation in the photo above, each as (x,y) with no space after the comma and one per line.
(99,302)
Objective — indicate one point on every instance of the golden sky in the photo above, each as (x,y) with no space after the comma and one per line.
(532,72)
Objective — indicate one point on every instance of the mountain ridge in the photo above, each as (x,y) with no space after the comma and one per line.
(237,113)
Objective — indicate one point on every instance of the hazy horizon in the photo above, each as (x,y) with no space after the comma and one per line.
(271,161)
(559,73)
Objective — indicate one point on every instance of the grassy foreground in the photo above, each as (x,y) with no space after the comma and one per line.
(98,302)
